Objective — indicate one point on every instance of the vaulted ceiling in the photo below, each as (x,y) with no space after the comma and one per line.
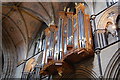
(24,20)
(22,23)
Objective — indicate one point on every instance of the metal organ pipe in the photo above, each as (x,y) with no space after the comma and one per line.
(65,39)
(75,32)
(60,39)
(44,50)
(69,40)
(81,29)
(51,44)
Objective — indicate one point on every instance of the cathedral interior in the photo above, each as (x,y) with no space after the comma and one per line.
(60,40)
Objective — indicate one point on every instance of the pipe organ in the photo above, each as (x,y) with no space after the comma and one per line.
(69,43)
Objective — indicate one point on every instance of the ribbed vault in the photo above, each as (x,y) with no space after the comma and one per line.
(22,22)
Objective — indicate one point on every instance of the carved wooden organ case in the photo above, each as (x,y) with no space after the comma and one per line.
(69,43)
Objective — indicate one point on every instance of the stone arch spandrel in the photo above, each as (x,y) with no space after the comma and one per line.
(104,18)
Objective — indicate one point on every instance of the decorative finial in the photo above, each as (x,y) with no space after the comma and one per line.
(64,8)
(93,17)
(76,4)
(52,23)
(68,9)
(83,3)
